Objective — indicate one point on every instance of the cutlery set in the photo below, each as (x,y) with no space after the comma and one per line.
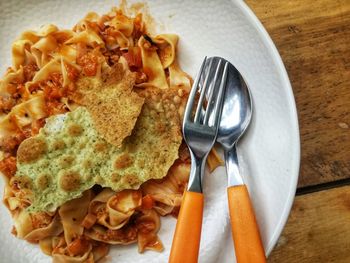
(219,109)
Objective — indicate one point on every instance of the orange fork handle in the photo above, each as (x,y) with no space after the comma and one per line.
(245,232)
(187,235)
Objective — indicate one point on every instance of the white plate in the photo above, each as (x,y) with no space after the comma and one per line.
(269,153)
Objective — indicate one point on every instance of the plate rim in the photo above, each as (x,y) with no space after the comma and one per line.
(295,168)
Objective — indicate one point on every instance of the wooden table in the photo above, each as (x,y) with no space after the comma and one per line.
(313,38)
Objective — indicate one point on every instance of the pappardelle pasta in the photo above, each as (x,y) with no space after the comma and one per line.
(109,65)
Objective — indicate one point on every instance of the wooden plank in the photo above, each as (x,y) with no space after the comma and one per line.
(313,38)
(318,229)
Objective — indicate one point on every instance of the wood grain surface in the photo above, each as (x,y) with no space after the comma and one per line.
(313,38)
(318,229)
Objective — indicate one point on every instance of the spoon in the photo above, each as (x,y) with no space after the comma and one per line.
(235,118)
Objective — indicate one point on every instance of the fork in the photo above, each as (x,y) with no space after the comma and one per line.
(200,133)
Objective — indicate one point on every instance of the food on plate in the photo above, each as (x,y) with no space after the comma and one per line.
(90,136)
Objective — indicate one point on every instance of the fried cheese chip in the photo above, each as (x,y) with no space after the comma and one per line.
(70,156)
(111,102)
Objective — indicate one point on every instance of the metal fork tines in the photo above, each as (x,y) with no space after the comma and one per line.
(200,130)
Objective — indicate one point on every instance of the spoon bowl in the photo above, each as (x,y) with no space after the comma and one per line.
(237,110)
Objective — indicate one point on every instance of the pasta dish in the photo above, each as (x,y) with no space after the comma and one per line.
(90,136)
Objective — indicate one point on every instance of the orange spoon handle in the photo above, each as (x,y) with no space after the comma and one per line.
(187,236)
(245,232)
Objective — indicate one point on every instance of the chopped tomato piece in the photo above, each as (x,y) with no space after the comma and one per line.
(133,57)
(72,72)
(36,125)
(6,103)
(52,93)
(8,166)
(78,247)
(40,220)
(147,202)
(29,71)
(55,107)
(14,231)
(140,77)
(57,79)
(10,143)
(89,63)
(89,221)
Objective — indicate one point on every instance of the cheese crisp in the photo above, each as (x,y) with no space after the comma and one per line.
(112,103)
(69,156)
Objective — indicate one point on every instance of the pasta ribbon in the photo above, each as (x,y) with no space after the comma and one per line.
(167,47)
(12,78)
(92,254)
(45,72)
(54,228)
(152,65)
(42,50)
(89,37)
(148,225)
(178,78)
(120,208)
(113,210)
(72,215)
(19,52)
(34,227)
(17,200)
(22,115)
(122,23)
(72,247)
(125,236)
(214,160)
(39,43)
(60,254)
(91,17)
(167,192)
(117,39)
